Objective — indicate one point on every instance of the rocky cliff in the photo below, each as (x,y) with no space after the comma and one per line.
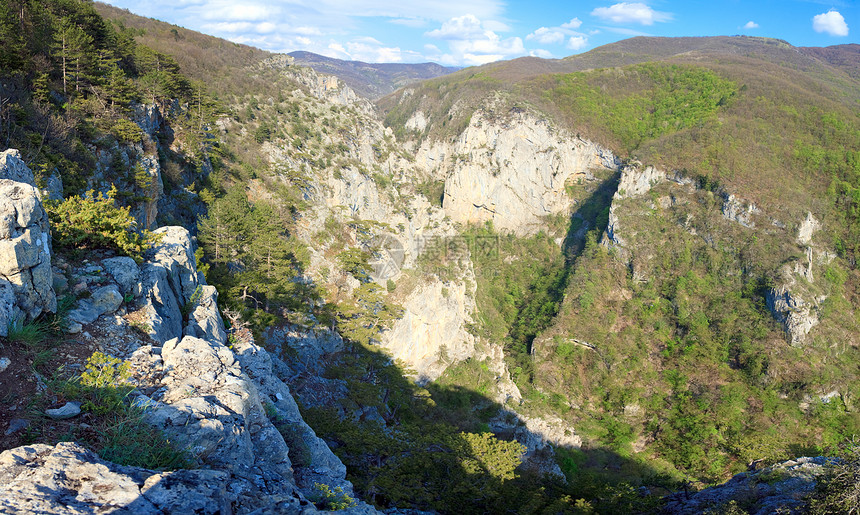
(26,287)
(510,167)
(224,405)
(781,488)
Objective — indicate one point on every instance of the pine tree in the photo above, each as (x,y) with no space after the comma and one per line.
(271,267)
(73,49)
(11,40)
(221,230)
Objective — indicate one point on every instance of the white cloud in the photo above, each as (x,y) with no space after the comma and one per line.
(546,36)
(415,23)
(751,25)
(229,27)
(631,13)
(462,28)
(367,40)
(626,31)
(265,28)
(471,42)
(572,24)
(577,42)
(830,22)
(307,31)
(557,35)
(496,26)
(234,11)
(437,10)
(361,51)
(540,52)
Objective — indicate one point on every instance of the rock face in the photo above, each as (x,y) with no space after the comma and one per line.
(14,169)
(808,227)
(796,315)
(126,274)
(738,210)
(510,169)
(227,408)
(432,332)
(311,458)
(67,479)
(169,281)
(795,301)
(778,489)
(635,181)
(211,407)
(26,279)
(204,321)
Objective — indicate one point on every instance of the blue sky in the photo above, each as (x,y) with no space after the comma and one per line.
(469,32)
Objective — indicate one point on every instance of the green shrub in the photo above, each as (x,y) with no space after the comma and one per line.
(103,385)
(332,499)
(94,220)
(126,131)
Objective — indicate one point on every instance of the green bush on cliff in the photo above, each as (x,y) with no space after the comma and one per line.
(95,221)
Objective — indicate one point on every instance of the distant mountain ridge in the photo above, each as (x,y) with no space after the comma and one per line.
(372,80)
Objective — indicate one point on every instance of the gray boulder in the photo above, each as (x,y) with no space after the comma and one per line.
(10,314)
(213,409)
(175,252)
(126,273)
(169,280)
(782,488)
(54,186)
(797,316)
(68,410)
(106,299)
(162,308)
(320,464)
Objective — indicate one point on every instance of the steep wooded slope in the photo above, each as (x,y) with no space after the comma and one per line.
(722,303)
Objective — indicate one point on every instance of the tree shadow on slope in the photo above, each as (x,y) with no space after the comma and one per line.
(522,282)
(430,447)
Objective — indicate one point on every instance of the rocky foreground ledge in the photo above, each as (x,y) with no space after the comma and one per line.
(220,403)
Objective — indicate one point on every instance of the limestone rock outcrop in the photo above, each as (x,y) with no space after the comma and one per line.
(796,315)
(432,332)
(636,181)
(26,279)
(204,321)
(511,169)
(739,210)
(782,488)
(210,406)
(14,169)
(67,478)
(169,281)
(105,299)
(126,273)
